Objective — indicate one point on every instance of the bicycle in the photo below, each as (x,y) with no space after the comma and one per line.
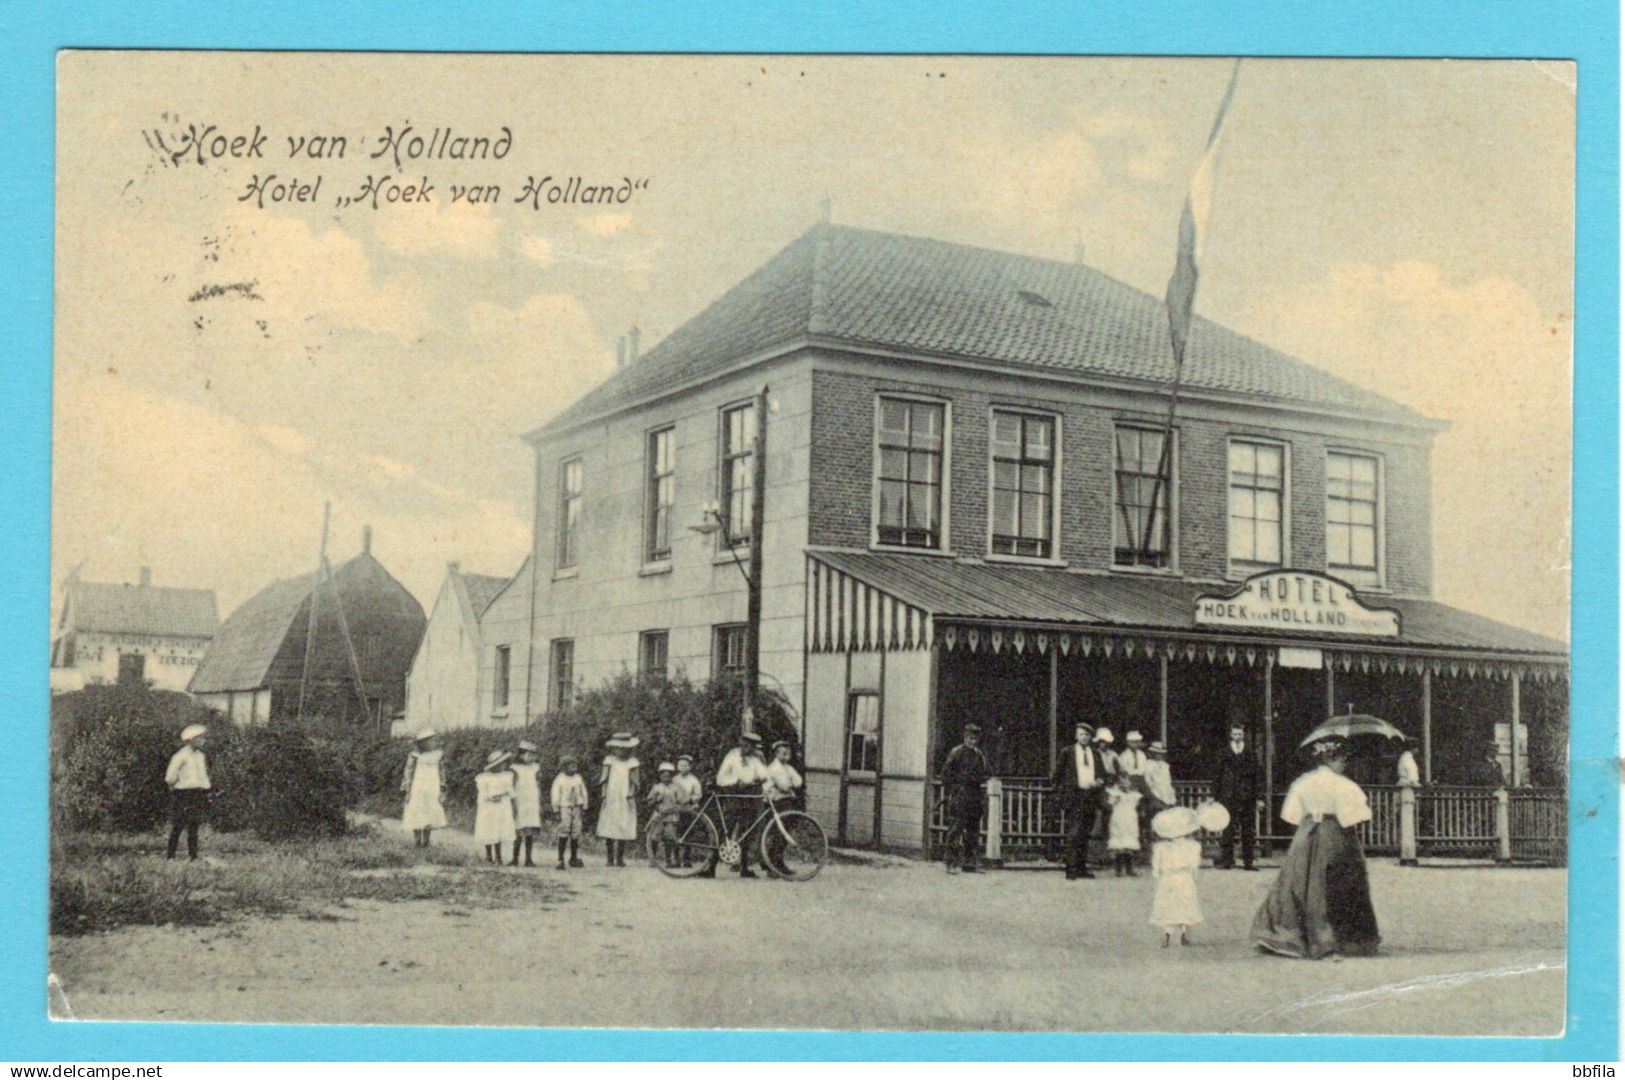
(686,841)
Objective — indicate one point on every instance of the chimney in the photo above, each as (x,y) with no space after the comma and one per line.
(366,539)
(632,346)
(620,352)
(146,577)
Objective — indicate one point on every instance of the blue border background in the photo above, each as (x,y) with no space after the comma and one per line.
(1586,31)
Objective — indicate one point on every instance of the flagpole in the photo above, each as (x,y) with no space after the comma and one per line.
(1180,299)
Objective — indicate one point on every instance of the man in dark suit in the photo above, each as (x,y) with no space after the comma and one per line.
(964,776)
(1237,787)
(1080,784)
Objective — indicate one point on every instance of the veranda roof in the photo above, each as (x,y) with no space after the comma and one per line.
(864,600)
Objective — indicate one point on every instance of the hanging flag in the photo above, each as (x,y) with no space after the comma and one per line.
(1193,231)
(1180,298)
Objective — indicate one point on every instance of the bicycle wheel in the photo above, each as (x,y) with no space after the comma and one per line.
(795,848)
(681,842)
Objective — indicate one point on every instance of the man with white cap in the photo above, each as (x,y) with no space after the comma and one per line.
(188,780)
(1131,759)
(742,775)
(1080,783)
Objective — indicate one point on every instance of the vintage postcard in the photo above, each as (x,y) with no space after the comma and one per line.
(812,542)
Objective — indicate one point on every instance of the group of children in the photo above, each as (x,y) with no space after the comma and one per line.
(508,798)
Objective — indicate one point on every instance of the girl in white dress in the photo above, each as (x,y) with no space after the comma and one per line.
(618,779)
(421,785)
(527,801)
(1123,827)
(493,812)
(1175,858)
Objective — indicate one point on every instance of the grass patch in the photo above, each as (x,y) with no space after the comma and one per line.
(103,881)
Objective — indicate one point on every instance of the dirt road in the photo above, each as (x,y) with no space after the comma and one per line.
(897,945)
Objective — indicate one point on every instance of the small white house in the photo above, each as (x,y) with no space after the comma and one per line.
(463,672)
(123,633)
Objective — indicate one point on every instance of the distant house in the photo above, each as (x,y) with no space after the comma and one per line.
(464,672)
(254,669)
(130,633)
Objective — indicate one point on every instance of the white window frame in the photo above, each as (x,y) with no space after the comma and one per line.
(1172,569)
(553,672)
(944,540)
(1246,568)
(645,639)
(725,537)
(1360,578)
(650,496)
(720,632)
(560,567)
(501,676)
(1054,558)
(848,731)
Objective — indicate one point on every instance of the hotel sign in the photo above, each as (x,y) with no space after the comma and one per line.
(1298,600)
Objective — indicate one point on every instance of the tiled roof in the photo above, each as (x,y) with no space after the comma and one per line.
(142,609)
(927,297)
(482,589)
(949,590)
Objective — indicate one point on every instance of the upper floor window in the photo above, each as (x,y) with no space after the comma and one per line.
(499,685)
(738,449)
(652,645)
(569,512)
(1023,484)
(1142,528)
(1353,518)
(1257,503)
(660,492)
(909,481)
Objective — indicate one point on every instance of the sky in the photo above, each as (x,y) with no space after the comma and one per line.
(224,368)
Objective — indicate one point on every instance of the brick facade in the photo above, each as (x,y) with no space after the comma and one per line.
(843,440)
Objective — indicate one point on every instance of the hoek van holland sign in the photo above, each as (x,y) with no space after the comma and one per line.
(1296,600)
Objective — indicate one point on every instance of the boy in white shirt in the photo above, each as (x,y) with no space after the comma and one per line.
(188,780)
(569,798)
(783,782)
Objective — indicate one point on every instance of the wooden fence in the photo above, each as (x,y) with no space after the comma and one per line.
(1523,825)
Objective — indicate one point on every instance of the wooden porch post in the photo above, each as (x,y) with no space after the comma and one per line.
(1427,725)
(1269,732)
(880,750)
(1517,680)
(931,743)
(1331,688)
(1162,702)
(1054,702)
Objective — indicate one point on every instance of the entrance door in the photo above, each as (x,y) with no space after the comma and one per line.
(132,668)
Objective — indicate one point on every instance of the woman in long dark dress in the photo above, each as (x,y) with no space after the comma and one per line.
(1320,904)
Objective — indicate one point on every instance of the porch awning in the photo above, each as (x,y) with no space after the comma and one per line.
(864,600)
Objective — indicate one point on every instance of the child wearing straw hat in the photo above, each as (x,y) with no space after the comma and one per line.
(569,799)
(189,787)
(618,778)
(664,796)
(1175,857)
(527,801)
(421,785)
(493,813)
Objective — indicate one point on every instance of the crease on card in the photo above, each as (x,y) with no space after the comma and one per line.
(1337,1003)
(57,999)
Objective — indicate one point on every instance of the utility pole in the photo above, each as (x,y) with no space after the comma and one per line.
(753,577)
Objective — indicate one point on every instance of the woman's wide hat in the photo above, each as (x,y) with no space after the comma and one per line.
(497,757)
(1212,816)
(622,740)
(425,734)
(192,731)
(1174,822)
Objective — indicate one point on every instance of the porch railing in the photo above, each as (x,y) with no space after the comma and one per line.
(1526,824)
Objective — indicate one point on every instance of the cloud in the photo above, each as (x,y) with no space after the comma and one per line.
(538,249)
(457,230)
(1482,355)
(605,224)
(199,496)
